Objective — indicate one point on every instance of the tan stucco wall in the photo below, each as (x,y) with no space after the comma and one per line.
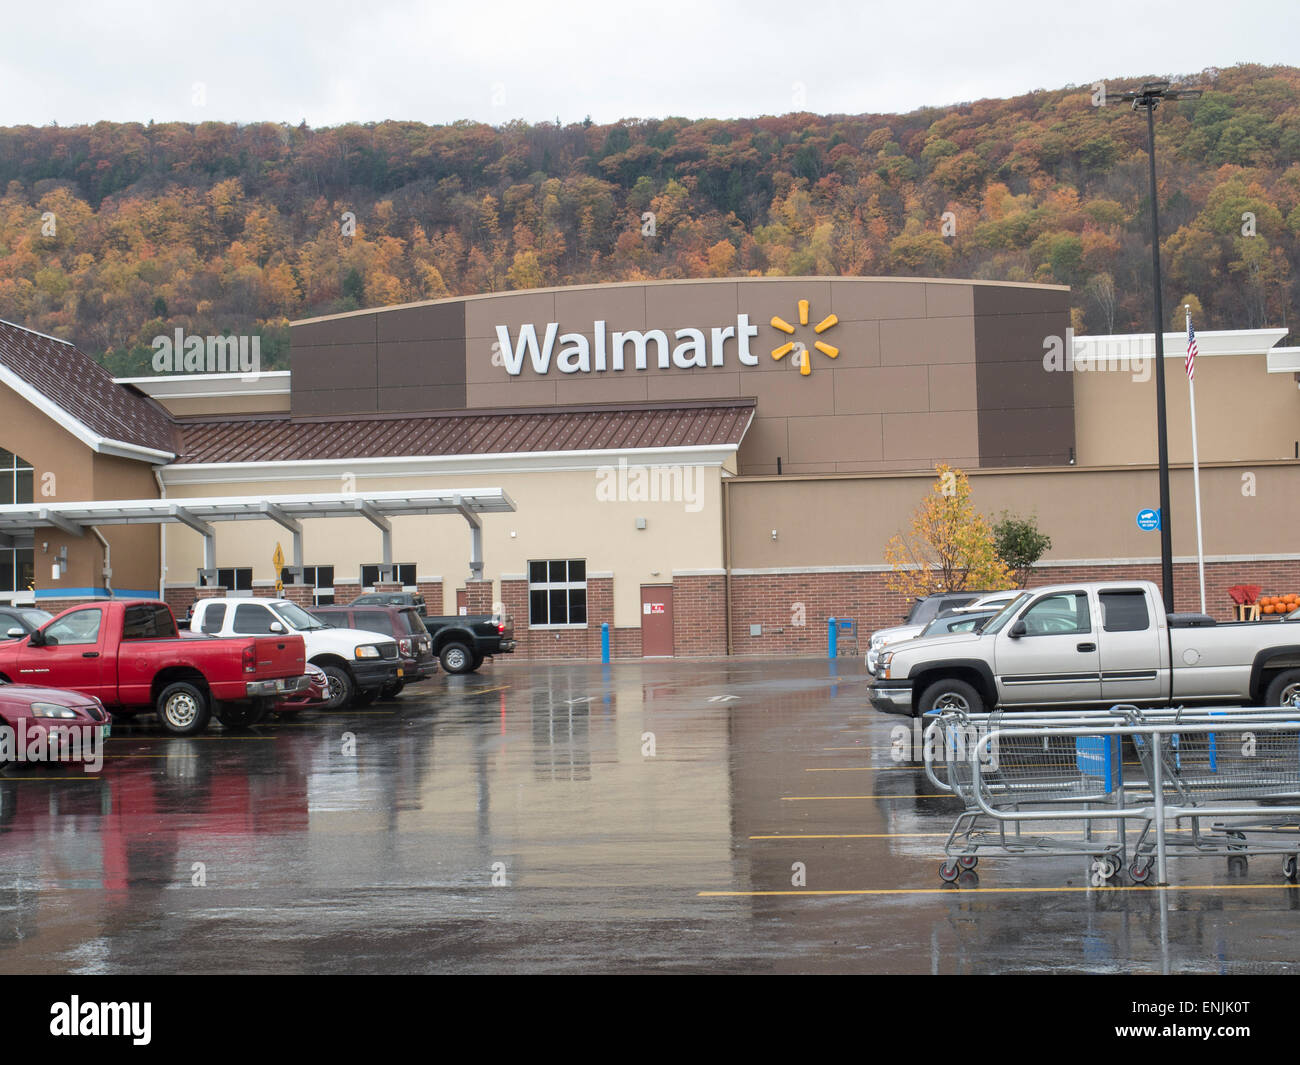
(66,470)
(1242,412)
(1088,513)
(558,516)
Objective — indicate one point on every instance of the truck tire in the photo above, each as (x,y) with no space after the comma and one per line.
(1282,687)
(183,709)
(956,694)
(342,688)
(242,715)
(478,661)
(456,658)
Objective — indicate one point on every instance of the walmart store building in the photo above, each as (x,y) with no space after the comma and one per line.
(711,467)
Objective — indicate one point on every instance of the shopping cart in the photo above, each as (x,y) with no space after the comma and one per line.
(1040,772)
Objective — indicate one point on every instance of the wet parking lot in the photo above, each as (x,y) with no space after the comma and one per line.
(678,816)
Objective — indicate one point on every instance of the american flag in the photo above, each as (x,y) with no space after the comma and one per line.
(1191,350)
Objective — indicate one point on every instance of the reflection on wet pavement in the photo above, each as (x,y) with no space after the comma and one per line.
(736,815)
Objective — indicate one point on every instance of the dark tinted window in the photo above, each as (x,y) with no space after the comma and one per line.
(253,619)
(214,617)
(411,617)
(145,622)
(374,621)
(1124,612)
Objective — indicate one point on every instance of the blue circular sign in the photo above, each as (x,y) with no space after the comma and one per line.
(1148,520)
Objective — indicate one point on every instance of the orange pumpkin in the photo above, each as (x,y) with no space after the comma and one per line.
(1268,609)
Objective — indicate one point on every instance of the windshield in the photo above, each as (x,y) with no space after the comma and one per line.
(998,620)
(298,617)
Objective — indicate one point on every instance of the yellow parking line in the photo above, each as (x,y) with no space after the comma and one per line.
(863,835)
(484,691)
(1004,891)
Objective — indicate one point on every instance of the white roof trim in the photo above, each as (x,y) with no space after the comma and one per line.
(433,465)
(102,444)
(1213,342)
(201,385)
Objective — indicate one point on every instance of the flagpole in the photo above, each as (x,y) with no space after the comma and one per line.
(1196,466)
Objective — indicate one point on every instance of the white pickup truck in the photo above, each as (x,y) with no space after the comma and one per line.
(1093,644)
(360,665)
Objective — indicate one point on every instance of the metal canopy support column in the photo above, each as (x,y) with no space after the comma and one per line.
(276,514)
(386,528)
(209,571)
(475,538)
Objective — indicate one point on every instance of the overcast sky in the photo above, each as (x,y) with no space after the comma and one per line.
(498,60)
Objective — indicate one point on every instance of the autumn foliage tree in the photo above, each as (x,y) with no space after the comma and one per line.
(949,546)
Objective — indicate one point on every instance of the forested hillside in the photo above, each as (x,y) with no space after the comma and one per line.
(114,233)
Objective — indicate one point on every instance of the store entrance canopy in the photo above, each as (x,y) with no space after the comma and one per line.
(289,511)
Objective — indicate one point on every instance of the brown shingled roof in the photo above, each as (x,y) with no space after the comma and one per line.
(278,439)
(84,390)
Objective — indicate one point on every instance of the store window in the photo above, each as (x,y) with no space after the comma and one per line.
(319,577)
(236,580)
(16,475)
(17,570)
(557,592)
(405,575)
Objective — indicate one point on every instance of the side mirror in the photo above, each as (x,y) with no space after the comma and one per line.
(15,633)
(275,626)
(38,638)
(1017,630)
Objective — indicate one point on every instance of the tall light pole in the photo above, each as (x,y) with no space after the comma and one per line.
(1148,99)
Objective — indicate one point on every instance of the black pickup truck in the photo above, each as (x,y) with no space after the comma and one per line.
(462,641)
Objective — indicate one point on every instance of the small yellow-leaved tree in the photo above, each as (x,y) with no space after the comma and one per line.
(949,547)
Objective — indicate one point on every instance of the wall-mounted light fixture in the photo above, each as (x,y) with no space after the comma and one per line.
(773,534)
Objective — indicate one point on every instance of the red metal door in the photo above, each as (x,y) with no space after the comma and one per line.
(462,602)
(657,620)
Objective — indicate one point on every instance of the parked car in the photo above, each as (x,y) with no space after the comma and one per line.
(1093,644)
(315,696)
(42,717)
(414,599)
(463,641)
(129,654)
(959,621)
(401,623)
(16,621)
(358,662)
(922,613)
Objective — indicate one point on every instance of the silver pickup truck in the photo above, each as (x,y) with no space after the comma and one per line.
(1093,644)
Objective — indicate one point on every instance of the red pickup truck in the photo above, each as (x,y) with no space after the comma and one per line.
(128,653)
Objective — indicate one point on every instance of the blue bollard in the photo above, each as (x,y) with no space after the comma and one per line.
(604,642)
(832,638)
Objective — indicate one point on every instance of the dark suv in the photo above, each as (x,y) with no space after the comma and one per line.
(414,599)
(402,623)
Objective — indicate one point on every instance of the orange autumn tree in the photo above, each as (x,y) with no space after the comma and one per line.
(949,546)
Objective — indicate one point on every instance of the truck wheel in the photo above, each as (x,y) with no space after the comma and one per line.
(183,709)
(1283,688)
(341,687)
(951,695)
(456,658)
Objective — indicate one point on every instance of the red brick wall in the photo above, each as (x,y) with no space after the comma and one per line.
(567,643)
(261,591)
(699,616)
(209,592)
(179,599)
(390,586)
(774,600)
(432,592)
(302,594)
(479,596)
(345,592)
